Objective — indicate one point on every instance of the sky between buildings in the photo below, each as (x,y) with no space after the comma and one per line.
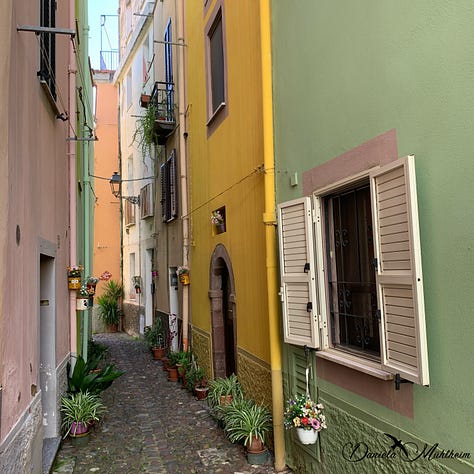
(103,32)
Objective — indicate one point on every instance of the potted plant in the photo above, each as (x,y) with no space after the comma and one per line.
(154,339)
(183,274)
(218,220)
(109,310)
(145,134)
(223,390)
(306,417)
(249,423)
(91,284)
(88,377)
(197,382)
(82,299)
(78,411)
(74,276)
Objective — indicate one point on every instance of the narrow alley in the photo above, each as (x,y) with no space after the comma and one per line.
(151,425)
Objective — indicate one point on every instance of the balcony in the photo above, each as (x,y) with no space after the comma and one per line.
(162,97)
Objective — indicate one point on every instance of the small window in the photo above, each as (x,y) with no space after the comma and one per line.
(129,213)
(169,188)
(216,63)
(146,201)
(351,273)
(47,71)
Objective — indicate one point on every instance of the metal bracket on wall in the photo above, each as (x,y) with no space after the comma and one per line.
(399,380)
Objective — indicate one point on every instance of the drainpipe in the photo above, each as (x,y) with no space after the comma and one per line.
(86,182)
(72,185)
(270,238)
(183,161)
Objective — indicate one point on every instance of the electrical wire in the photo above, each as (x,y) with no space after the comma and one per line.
(259,169)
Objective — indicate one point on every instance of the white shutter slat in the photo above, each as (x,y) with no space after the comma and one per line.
(295,232)
(399,274)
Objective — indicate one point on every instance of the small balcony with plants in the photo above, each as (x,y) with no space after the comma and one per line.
(159,120)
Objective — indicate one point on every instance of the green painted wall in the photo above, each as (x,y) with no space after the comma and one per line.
(345,72)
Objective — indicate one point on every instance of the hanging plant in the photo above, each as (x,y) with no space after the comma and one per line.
(145,134)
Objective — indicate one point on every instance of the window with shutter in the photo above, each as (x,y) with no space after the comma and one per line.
(298,280)
(399,273)
(169,188)
(362,252)
(129,213)
(146,201)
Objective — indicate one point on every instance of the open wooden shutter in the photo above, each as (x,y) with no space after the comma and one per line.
(298,286)
(399,275)
(173,185)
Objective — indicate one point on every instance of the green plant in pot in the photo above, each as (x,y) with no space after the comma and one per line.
(247,422)
(78,411)
(109,307)
(145,134)
(223,390)
(155,340)
(87,377)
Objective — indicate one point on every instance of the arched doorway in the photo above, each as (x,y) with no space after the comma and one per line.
(223,313)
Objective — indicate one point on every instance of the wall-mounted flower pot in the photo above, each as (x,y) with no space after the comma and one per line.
(184,278)
(91,289)
(307,436)
(82,303)
(74,282)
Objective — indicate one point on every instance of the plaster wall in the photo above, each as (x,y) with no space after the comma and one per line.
(34,207)
(224,165)
(107,207)
(348,73)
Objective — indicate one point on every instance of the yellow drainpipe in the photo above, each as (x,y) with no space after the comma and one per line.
(269,220)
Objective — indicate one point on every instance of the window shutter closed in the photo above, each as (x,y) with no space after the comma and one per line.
(163,184)
(399,275)
(173,182)
(298,288)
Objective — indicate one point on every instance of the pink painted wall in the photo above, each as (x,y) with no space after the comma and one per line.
(33,204)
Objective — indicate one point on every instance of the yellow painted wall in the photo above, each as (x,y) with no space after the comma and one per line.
(223,171)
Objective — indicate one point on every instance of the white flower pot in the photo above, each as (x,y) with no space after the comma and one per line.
(82,303)
(307,436)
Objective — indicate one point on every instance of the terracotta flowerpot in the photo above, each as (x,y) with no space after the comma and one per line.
(158,353)
(166,362)
(201,392)
(256,445)
(225,400)
(172,374)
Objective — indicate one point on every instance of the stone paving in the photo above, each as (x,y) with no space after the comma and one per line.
(151,426)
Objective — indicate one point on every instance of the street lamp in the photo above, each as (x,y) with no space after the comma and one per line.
(115,186)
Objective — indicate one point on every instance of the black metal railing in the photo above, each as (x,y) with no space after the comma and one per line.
(162,97)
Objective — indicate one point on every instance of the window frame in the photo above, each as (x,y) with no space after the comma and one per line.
(146,201)
(47,54)
(169,188)
(387,367)
(215,115)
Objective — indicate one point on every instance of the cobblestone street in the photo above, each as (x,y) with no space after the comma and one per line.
(151,425)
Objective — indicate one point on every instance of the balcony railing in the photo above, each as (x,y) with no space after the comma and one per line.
(162,97)
(109,60)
